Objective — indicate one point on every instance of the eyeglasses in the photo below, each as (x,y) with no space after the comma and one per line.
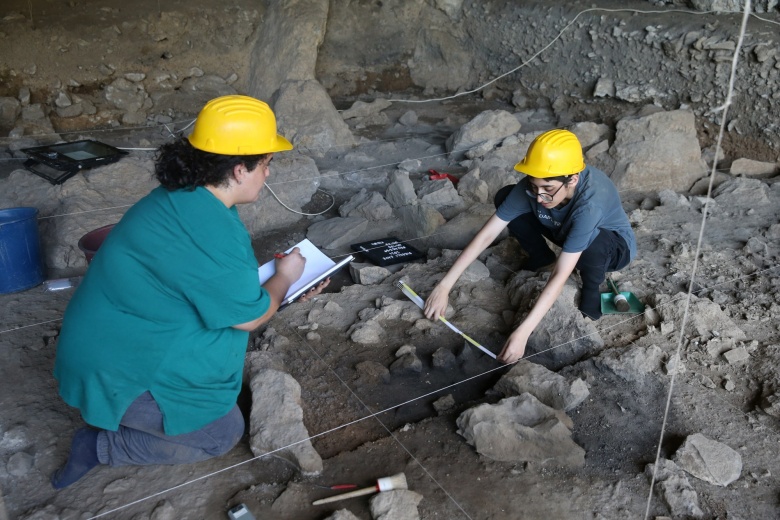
(546,197)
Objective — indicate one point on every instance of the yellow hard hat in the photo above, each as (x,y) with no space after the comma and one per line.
(237,125)
(551,154)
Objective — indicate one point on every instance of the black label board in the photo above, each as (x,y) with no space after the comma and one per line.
(387,251)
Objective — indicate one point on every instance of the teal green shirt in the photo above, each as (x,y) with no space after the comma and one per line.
(155,312)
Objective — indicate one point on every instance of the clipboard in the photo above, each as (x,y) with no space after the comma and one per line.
(318,267)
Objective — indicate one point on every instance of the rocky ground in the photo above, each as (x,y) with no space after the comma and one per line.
(570,433)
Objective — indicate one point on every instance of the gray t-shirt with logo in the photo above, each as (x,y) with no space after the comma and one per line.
(595,206)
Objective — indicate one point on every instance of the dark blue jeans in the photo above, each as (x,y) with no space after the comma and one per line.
(141,439)
(608,252)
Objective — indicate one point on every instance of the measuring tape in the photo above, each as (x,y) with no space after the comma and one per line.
(421,304)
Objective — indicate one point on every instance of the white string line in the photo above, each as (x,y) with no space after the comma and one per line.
(523,64)
(704,289)
(315,436)
(335,257)
(350,423)
(368,409)
(721,131)
(535,55)
(85,211)
(670,302)
(337,174)
(31,325)
(288,208)
(711,178)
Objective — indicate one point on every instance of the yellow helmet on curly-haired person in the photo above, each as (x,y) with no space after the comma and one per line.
(237,125)
(552,154)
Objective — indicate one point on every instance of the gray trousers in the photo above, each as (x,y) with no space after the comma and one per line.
(141,439)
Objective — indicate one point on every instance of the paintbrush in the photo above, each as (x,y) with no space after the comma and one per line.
(619,300)
(397,481)
(421,304)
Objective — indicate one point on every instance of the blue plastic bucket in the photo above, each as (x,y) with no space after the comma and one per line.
(21,266)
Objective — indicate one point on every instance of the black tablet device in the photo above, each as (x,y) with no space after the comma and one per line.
(59,162)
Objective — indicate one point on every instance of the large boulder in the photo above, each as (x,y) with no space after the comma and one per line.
(657,151)
(521,429)
(490,125)
(294,179)
(276,422)
(709,460)
(306,116)
(565,335)
(458,232)
(441,61)
(90,200)
(550,388)
(289,37)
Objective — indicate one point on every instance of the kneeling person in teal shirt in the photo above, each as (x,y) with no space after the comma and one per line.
(153,342)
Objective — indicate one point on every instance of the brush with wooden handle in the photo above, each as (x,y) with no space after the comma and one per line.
(397,481)
(620,301)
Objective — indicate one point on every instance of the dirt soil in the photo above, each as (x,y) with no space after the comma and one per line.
(365,429)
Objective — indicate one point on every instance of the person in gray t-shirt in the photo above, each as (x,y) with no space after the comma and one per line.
(574,206)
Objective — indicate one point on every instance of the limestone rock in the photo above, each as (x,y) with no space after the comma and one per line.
(709,460)
(400,191)
(589,133)
(705,317)
(444,404)
(369,205)
(753,169)
(406,364)
(441,60)
(295,179)
(548,387)
(518,429)
(277,421)
(472,189)
(631,363)
(660,150)
(342,514)
(439,194)
(565,335)
(336,232)
(361,109)
(367,333)
(742,192)
(675,489)
(420,220)
(289,37)
(396,504)
(458,232)
(444,358)
(490,124)
(306,116)
(367,274)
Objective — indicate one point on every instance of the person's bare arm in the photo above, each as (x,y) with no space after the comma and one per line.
(288,270)
(514,348)
(436,304)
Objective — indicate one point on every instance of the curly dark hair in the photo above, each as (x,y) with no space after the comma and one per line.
(179,165)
